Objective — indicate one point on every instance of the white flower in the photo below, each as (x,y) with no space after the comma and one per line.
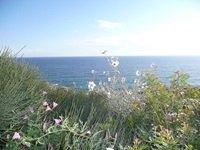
(136,81)
(115,63)
(152,65)
(108,94)
(93,72)
(114,59)
(91,85)
(129,92)
(109,79)
(123,79)
(144,83)
(138,73)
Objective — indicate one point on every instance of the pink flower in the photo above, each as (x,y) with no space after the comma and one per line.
(54,105)
(48,108)
(44,126)
(45,103)
(31,109)
(25,117)
(182,93)
(57,121)
(16,136)
(88,132)
(44,93)
(49,146)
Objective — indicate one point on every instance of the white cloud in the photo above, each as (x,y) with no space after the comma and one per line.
(104,24)
(180,37)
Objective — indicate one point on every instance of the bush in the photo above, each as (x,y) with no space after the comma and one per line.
(19,90)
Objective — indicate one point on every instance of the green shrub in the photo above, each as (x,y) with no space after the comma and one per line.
(19,90)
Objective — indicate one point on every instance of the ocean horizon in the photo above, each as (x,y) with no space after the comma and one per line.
(76,71)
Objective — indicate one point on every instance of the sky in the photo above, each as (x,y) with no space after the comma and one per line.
(51,28)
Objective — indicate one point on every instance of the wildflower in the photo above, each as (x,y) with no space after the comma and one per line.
(54,105)
(136,81)
(44,126)
(138,73)
(25,117)
(45,103)
(92,71)
(152,65)
(91,86)
(114,59)
(49,146)
(115,63)
(88,132)
(44,93)
(16,136)
(123,79)
(31,109)
(48,108)
(194,131)
(109,79)
(137,141)
(57,121)
(182,93)
(129,92)
(109,148)
(108,94)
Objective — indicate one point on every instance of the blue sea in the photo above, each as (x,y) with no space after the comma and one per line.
(76,71)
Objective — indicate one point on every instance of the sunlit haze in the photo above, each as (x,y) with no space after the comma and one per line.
(51,28)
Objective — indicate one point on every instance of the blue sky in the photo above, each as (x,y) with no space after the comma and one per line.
(88,27)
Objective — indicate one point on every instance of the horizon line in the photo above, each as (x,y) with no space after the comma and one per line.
(111,56)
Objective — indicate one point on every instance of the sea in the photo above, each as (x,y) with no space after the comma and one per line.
(76,72)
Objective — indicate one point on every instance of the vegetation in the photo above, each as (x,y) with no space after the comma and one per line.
(110,115)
